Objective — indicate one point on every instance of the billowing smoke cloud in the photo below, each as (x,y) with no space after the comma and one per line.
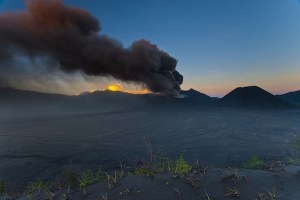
(70,37)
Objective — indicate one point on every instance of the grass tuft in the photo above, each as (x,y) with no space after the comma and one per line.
(37,186)
(232,192)
(89,177)
(40,186)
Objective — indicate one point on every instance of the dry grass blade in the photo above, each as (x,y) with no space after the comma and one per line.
(232,192)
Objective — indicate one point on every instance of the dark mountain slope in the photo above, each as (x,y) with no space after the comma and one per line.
(21,99)
(196,96)
(253,97)
(291,97)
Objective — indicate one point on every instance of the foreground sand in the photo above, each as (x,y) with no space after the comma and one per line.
(213,183)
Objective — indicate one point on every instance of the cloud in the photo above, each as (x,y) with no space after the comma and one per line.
(69,38)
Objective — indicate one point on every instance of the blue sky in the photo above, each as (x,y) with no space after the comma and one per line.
(219,44)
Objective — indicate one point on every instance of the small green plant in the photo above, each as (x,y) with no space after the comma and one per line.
(254,163)
(2,188)
(88,177)
(182,167)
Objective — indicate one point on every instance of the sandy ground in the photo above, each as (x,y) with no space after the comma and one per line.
(212,185)
(40,145)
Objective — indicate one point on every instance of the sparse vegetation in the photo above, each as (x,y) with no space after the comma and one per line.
(193,174)
(254,163)
(142,170)
(40,186)
(155,163)
(180,168)
(37,186)
(161,165)
(164,164)
(89,177)
(269,195)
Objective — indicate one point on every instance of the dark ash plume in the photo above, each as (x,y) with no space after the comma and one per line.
(70,36)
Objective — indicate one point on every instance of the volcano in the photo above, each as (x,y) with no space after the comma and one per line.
(253,97)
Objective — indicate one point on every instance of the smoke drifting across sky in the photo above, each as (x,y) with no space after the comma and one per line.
(60,37)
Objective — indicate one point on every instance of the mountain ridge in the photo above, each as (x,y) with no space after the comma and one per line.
(240,97)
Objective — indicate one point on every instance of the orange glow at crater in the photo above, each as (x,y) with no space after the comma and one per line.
(142,91)
(114,88)
(119,87)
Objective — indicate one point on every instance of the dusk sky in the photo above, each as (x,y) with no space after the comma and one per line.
(219,44)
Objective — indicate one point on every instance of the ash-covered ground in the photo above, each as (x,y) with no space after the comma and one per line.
(39,145)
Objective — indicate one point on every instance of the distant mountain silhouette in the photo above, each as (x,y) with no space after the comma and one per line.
(253,97)
(248,97)
(196,96)
(291,97)
(106,99)
(15,98)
